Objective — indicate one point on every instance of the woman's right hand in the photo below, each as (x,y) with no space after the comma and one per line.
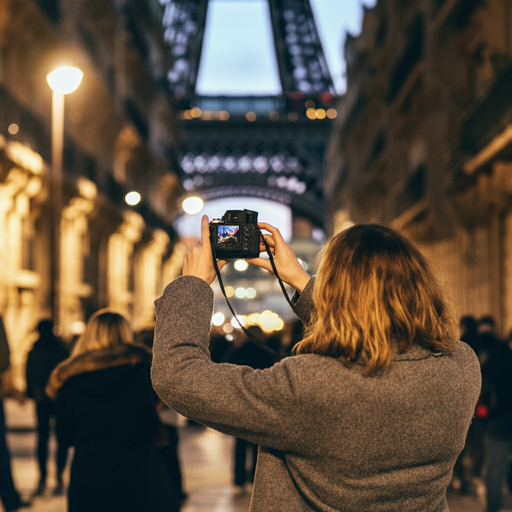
(288,266)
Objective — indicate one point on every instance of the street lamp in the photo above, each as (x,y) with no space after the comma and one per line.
(62,81)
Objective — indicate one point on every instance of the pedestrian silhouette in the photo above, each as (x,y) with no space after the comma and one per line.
(48,351)
(9,495)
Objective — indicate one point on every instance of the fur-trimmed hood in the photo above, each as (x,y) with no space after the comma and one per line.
(102,359)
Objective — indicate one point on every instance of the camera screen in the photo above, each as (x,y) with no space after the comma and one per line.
(228,237)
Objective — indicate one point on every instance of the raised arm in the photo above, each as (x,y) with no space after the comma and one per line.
(262,406)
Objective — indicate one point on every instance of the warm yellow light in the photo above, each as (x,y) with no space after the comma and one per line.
(332,113)
(64,80)
(311,113)
(227,328)
(230,291)
(195,112)
(77,327)
(13,129)
(251,116)
(241,319)
(208,115)
(270,321)
(188,114)
(222,115)
(253,319)
(132,198)
(192,205)
(241,265)
(320,113)
(218,318)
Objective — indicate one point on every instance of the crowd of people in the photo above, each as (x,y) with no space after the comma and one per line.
(487,454)
(125,438)
(98,394)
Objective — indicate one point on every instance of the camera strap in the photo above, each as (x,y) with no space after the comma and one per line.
(274,269)
(251,338)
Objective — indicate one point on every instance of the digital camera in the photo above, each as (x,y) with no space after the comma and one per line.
(236,235)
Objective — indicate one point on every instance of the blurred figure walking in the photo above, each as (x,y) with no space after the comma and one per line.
(171,420)
(497,397)
(9,495)
(106,410)
(48,351)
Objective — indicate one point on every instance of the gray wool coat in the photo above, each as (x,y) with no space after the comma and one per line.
(331,439)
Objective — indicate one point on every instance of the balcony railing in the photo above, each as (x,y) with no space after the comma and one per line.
(490,114)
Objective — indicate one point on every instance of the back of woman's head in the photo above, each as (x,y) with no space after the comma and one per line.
(104,329)
(374,296)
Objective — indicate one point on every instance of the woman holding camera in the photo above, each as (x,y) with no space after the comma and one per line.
(371,411)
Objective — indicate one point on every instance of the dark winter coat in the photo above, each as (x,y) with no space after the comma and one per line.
(497,392)
(331,438)
(105,409)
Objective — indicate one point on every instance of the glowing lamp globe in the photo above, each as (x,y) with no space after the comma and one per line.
(64,80)
(132,198)
(192,205)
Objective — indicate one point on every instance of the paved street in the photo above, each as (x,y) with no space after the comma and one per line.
(206,458)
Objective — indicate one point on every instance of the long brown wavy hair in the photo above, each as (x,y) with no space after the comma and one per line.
(375,295)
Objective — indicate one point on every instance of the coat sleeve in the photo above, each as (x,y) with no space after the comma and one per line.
(262,406)
(303,302)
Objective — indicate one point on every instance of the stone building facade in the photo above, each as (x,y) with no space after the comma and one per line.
(423,140)
(120,135)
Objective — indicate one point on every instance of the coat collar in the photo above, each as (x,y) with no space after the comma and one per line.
(96,360)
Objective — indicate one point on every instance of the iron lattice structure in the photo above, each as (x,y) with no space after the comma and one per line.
(278,152)
(272,160)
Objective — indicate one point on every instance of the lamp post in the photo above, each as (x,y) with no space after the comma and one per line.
(62,81)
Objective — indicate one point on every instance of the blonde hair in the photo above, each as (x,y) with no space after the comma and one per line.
(375,295)
(104,329)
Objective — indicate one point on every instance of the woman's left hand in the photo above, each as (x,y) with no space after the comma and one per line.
(199,261)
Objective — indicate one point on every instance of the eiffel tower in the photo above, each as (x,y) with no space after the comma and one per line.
(260,146)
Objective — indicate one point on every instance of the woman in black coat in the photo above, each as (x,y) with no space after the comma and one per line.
(106,410)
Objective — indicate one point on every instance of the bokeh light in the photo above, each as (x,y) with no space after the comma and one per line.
(192,205)
(227,328)
(218,318)
(250,293)
(132,198)
(241,265)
